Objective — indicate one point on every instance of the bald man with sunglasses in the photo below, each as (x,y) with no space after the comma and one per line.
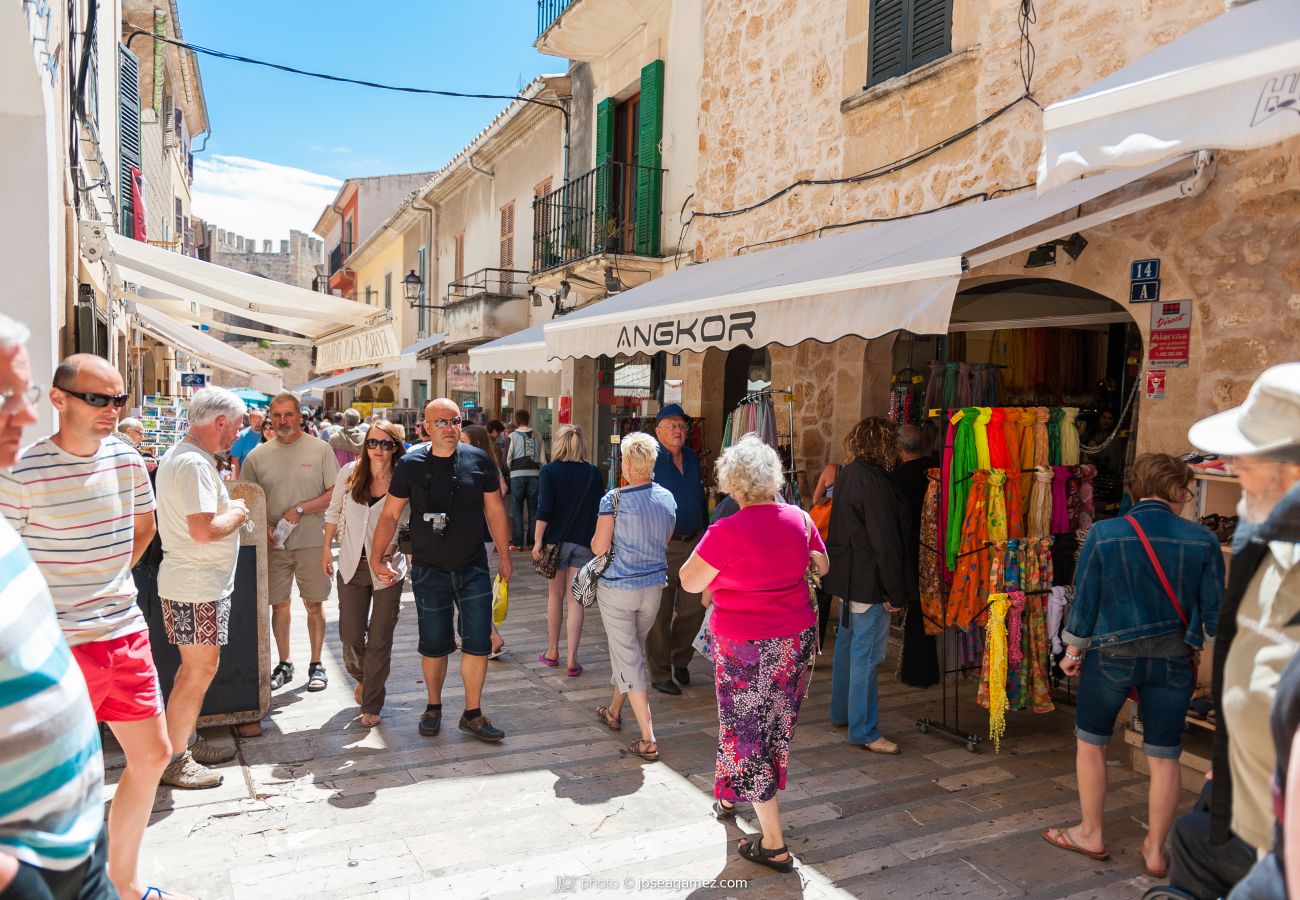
(82,502)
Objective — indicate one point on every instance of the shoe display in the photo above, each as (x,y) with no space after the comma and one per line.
(188,774)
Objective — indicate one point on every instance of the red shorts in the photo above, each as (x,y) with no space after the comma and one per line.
(121,678)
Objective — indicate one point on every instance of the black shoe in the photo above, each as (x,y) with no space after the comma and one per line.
(667,687)
(682,674)
(431,724)
(482,728)
(281,675)
(317,680)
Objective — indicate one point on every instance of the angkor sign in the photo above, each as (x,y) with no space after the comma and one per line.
(361,347)
(682,332)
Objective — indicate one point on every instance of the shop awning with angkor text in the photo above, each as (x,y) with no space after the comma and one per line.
(876,279)
(1232,83)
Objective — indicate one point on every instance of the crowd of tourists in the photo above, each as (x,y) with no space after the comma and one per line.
(98,539)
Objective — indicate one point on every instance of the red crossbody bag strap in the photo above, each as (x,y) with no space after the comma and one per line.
(1160,571)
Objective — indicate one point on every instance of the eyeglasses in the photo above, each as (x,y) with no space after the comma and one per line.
(12,401)
(673,426)
(99,401)
(445,423)
(376,444)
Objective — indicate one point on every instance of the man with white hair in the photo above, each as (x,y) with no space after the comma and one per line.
(53,841)
(1258,633)
(200,526)
(82,501)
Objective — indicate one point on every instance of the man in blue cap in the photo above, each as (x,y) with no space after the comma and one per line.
(668,649)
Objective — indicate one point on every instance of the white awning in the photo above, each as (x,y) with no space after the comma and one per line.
(343,379)
(410,357)
(263,376)
(192,280)
(867,282)
(523,351)
(1231,84)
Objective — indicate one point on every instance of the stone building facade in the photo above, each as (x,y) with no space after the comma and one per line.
(782,100)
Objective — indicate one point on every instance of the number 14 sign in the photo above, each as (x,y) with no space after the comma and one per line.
(1144,269)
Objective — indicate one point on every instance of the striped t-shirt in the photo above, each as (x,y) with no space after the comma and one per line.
(76,516)
(51,772)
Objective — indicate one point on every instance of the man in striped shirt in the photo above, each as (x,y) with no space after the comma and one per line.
(82,502)
(51,771)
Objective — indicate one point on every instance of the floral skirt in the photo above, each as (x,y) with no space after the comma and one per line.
(760,685)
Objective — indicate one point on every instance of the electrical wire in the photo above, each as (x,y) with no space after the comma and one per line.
(1028,56)
(235,57)
(686,224)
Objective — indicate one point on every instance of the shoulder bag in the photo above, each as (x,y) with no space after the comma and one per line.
(584,584)
(1164,583)
(548,563)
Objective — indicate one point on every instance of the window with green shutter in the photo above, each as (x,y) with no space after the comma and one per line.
(604,153)
(128,136)
(649,185)
(905,35)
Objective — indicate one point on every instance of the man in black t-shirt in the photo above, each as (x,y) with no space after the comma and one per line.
(454,491)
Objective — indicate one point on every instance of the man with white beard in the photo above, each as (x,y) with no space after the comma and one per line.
(1258,634)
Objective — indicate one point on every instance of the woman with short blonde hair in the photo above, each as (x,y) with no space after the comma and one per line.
(637,522)
(568,500)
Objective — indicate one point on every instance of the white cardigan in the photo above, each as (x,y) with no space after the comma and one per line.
(357,523)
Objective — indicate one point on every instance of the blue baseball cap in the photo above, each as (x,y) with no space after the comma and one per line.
(672,409)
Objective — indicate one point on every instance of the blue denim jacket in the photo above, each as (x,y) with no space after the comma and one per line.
(1117,594)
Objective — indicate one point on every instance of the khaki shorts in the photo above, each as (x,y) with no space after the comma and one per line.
(286,566)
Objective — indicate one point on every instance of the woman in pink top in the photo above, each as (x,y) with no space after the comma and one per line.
(764,635)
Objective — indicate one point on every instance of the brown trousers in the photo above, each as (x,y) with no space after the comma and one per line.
(367,618)
(680,614)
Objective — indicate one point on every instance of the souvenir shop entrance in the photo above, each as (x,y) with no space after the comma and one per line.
(1029,405)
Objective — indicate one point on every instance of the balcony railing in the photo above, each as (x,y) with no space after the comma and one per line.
(488,283)
(592,214)
(340,253)
(548,11)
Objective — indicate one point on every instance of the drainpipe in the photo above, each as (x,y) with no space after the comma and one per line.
(431,255)
(160,30)
(469,160)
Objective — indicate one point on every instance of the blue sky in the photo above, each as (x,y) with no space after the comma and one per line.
(274,135)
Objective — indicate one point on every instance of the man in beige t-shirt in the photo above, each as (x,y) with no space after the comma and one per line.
(297,473)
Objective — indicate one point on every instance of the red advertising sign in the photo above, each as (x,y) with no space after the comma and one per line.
(1155,384)
(1170,340)
(566,410)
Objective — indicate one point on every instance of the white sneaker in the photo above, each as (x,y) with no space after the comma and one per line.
(190,775)
(211,754)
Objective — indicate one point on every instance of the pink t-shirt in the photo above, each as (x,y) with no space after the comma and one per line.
(760,553)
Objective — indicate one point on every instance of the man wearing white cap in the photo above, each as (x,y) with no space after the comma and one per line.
(1258,634)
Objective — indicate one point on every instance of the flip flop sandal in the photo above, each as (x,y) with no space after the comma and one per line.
(754,851)
(546,660)
(1063,841)
(365,724)
(613,723)
(642,749)
(496,654)
(573,671)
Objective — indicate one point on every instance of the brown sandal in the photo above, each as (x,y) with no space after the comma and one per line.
(613,723)
(647,750)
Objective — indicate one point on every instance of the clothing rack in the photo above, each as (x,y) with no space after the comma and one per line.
(789,468)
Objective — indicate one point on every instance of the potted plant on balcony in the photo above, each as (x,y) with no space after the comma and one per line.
(612,237)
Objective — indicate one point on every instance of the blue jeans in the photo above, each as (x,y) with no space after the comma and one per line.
(523,490)
(437,595)
(1164,689)
(860,648)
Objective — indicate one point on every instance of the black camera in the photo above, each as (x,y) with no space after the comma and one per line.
(437,521)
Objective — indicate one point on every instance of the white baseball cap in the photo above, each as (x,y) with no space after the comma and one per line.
(1268,422)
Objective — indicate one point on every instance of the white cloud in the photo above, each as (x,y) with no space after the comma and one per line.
(258,199)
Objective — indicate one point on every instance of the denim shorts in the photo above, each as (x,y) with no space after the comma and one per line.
(438,594)
(1164,689)
(573,556)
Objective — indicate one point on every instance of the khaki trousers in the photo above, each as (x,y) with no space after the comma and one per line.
(680,614)
(367,618)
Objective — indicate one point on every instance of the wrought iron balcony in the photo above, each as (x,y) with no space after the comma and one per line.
(596,213)
(504,283)
(339,254)
(547,12)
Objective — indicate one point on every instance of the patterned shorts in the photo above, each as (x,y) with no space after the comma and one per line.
(207,624)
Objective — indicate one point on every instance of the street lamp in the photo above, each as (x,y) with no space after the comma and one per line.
(412,284)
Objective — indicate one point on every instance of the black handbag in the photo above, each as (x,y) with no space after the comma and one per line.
(548,563)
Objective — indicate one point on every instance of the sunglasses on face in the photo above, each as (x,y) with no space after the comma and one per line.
(444,423)
(376,444)
(99,401)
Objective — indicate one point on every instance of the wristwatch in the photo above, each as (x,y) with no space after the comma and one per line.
(298,510)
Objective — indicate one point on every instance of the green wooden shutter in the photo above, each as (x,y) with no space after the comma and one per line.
(930,32)
(128,115)
(887,56)
(604,180)
(649,185)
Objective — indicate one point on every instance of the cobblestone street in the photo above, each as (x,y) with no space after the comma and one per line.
(320,807)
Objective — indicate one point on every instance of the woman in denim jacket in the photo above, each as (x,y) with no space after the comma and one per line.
(1124,631)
